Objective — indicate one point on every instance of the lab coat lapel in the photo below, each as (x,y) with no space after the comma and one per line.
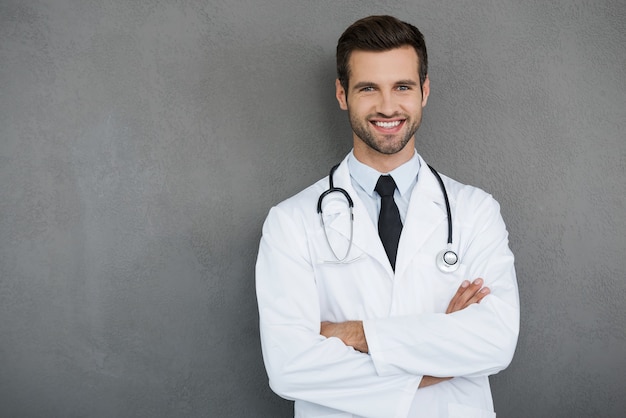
(365,233)
(426,211)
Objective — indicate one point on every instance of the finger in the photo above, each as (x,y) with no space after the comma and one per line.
(467,294)
(480,295)
(477,297)
(454,302)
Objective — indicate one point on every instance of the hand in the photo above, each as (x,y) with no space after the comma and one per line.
(350,332)
(468,294)
(430,380)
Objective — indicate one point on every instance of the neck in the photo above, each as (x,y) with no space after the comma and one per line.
(383,163)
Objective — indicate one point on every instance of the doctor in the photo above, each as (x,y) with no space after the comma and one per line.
(352,326)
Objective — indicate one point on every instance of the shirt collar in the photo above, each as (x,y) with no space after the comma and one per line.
(366,177)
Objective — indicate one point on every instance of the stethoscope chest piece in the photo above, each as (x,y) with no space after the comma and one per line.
(447,260)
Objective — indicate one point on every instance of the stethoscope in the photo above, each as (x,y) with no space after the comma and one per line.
(447,260)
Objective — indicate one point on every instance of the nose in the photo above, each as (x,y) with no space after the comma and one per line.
(386,104)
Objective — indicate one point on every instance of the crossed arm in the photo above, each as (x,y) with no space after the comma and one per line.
(352,333)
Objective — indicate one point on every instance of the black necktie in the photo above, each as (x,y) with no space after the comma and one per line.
(389,223)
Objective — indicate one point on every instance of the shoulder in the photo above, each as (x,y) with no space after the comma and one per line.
(301,208)
(466,196)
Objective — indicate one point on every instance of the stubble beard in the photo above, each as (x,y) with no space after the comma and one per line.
(383,143)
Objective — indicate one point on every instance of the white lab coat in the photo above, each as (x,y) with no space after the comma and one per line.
(408,333)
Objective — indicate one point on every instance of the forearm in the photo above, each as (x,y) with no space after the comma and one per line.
(465,342)
(479,340)
(352,334)
(324,371)
(301,363)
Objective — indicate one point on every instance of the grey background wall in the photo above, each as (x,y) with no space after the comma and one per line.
(142,144)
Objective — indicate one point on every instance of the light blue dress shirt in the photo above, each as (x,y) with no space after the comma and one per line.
(364,179)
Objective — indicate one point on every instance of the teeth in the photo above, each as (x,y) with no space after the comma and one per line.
(388,124)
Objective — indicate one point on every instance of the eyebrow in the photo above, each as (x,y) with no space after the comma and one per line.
(362,84)
(407,83)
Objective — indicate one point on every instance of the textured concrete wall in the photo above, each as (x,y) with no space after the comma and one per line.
(142,143)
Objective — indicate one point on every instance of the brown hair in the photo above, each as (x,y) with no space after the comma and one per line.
(379,33)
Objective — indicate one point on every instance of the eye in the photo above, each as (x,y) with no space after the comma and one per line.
(404,88)
(367,89)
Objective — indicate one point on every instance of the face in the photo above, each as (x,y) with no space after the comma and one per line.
(384,102)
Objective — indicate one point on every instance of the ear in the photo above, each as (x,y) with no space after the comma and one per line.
(425,91)
(340,94)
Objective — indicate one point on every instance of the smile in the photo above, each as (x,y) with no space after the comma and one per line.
(387,125)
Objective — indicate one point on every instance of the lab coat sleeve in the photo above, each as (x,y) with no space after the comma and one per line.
(301,363)
(477,341)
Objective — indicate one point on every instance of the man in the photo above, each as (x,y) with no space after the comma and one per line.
(356,318)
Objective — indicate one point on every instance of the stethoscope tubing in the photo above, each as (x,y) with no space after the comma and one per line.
(446,260)
(445,198)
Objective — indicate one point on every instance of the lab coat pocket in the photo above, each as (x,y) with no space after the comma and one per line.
(463,411)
